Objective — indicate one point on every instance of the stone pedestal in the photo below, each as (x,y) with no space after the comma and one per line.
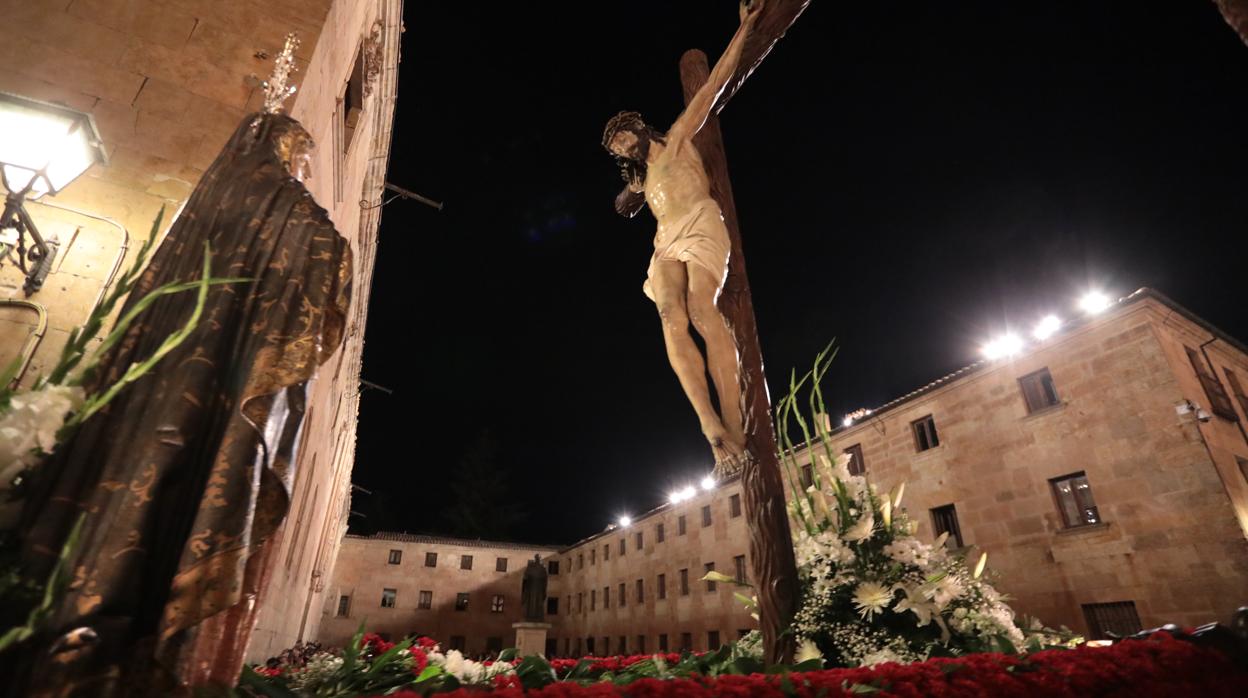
(530,638)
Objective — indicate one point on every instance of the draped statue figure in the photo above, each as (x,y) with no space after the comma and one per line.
(187,474)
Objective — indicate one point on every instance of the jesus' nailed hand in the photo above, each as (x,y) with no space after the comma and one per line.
(691,249)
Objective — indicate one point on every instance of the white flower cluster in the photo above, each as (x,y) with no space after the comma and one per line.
(863,571)
(909,551)
(466,670)
(28,426)
(318,671)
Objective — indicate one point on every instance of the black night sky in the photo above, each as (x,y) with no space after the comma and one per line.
(911,177)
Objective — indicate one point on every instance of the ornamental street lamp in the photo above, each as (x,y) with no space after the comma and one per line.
(43,147)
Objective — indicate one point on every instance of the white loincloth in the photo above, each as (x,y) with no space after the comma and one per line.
(698,237)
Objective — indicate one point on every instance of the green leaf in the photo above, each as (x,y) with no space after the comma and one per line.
(535,672)
(808,665)
(263,685)
(863,688)
(746,666)
(508,654)
(430,672)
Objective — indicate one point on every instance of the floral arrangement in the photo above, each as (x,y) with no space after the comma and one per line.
(872,591)
(1158,666)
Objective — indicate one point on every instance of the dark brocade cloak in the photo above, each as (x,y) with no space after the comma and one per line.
(188,473)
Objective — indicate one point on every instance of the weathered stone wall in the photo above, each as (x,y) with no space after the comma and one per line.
(1170,540)
(344,176)
(364,571)
(167,81)
(586,568)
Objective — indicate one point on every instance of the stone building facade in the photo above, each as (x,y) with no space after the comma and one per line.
(628,589)
(466,593)
(637,589)
(166,82)
(1105,478)
(1104,471)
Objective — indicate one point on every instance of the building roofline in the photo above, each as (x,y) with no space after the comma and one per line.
(612,528)
(448,540)
(971,369)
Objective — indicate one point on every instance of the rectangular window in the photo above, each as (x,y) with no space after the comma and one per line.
(500,564)
(662,586)
(396,556)
(1119,618)
(641,591)
(641,644)
(552,605)
(580,561)
(623,595)
(431,559)
(706,516)
(1074,500)
(1237,389)
(426,600)
(1038,390)
(494,645)
(945,520)
(710,585)
(465,562)
(738,564)
(552,567)
(1219,403)
(658,533)
(606,598)
(593,599)
(580,602)
(680,525)
(589,646)
(606,552)
(662,642)
(387,598)
(496,604)
(925,433)
(734,506)
(808,475)
(593,555)
(857,464)
(344,606)
(712,640)
(624,545)
(622,647)
(684,582)
(639,541)
(461,601)
(606,646)
(686,642)
(458,643)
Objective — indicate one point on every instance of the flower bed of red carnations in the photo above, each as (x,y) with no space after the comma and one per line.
(1157,666)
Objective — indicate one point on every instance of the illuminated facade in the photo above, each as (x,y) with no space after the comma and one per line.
(1104,469)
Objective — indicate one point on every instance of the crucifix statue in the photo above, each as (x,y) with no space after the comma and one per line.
(691,250)
(697,274)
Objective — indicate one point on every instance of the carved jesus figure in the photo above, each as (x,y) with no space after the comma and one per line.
(691,249)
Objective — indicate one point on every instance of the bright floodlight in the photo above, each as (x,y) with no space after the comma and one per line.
(625,522)
(1003,346)
(44,147)
(847,421)
(688,493)
(1046,327)
(674,497)
(1094,302)
(708,483)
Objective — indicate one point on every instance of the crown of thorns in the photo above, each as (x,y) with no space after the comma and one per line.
(624,121)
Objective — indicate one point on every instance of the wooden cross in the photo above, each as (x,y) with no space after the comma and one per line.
(771,545)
